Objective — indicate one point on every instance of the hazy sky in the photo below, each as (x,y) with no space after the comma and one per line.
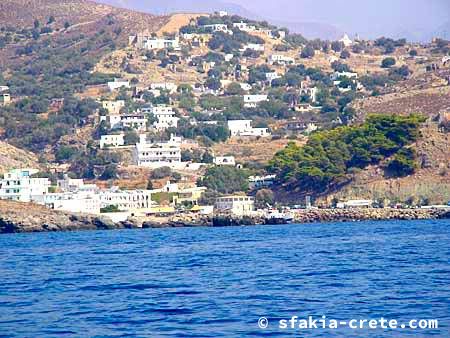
(413,19)
(363,16)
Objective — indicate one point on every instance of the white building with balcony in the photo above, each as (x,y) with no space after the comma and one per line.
(165,118)
(126,200)
(235,205)
(136,121)
(157,155)
(19,185)
(244,128)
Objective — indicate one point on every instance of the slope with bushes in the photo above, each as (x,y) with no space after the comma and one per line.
(326,162)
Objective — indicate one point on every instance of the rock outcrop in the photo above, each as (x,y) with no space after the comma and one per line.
(27,217)
(337,215)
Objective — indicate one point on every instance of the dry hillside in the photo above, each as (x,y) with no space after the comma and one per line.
(12,157)
(176,21)
(252,150)
(76,12)
(429,101)
(86,19)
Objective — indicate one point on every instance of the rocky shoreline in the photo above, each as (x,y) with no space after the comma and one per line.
(348,215)
(22,217)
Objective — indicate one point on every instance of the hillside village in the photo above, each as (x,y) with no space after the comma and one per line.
(218,114)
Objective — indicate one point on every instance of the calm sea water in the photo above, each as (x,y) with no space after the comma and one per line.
(217,282)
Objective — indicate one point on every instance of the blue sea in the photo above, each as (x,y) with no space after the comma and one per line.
(218,282)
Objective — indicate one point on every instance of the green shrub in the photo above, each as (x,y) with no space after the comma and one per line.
(403,164)
(325,161)
(388,62)
(225,179)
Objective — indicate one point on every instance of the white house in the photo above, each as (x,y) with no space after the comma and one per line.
(336,75)
(118,83)
(162,43)
(77,202)
(257,182)
(19,185)
(224,160)
(253,46)
(235,204)
(244,128)
(68,184)
(156,155)
(251,101)
(281,59)
(113,107)
(218,27)
(243,26)
(4,89)
(113,141)
(165,117)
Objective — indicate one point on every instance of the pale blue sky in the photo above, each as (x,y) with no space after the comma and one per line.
(413,19)
(363,16)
